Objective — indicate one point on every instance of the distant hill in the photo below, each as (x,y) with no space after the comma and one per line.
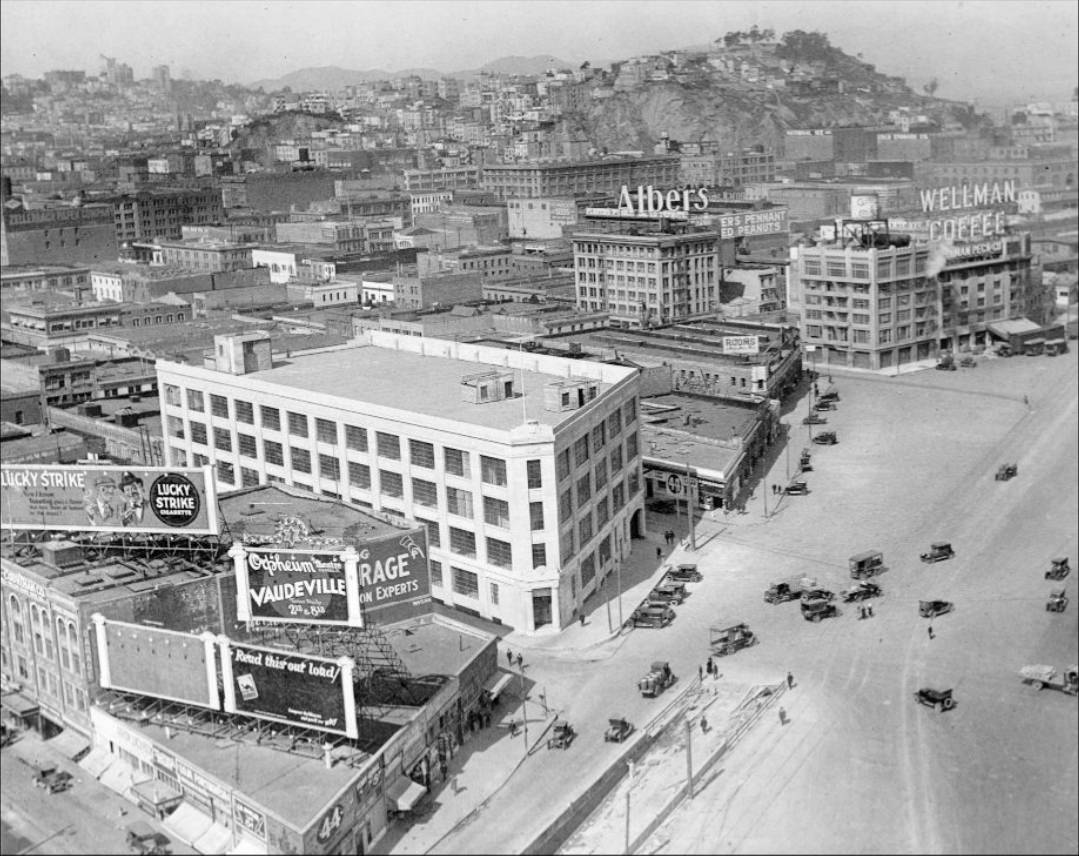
(332,78)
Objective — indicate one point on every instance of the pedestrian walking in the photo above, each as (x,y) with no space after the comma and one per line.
(704,725)
(869,609)
(790,681)
(509,656)
(455,785)
(513,728)
(932,635)
(782,716)
(711,666)
(861,611)
(659,553)
(581,617)
(700,673)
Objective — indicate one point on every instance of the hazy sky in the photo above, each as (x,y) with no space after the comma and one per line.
(989,50)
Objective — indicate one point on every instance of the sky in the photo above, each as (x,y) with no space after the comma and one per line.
(987,51)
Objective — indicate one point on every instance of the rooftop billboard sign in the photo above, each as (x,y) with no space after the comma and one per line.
(299,689)
(109,499)
(343,587)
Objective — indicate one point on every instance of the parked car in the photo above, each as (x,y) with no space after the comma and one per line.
(562,735)
(1058,568)
(1058,601)
(668,592)
(618,729)
(938,552)
(651,615)
(727,640)
(1007,471)
(826,438)
(825,405)
(817,594)
(815,610)
(866,564)
(814,419)
(940,699)
(788,589)
(659,677)
(933,608)
(862,591)
(684,573)
(798,487)
(806,462)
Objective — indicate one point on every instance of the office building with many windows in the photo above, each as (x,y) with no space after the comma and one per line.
(647,279)
(525,468)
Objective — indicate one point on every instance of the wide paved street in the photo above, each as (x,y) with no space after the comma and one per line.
(861,767)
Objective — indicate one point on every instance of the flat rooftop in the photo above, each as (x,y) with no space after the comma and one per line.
(379,376)
(679,428)
(256,511)
(293,786)
(435,647)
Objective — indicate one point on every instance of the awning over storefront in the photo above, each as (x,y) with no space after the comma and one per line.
(248,846)
(19,705)
(156,793)
(118,777)
(216,839)
(97,762)
(70,744)
(187,823)
(497,682)
(405,793)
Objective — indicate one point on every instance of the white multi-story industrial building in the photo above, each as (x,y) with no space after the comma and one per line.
(525,468)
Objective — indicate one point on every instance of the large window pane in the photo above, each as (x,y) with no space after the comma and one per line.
(499,553)
(421,454)
(359,475)
(329,467)
(271,417)
(356,438)
(458,502)
(496,512)
(535,474)
(389,445)
(392,483)
(492,470)
(326,431)
(462,542)
(297,424)
(465,582)
(301,459)
(456,462)
(425,493)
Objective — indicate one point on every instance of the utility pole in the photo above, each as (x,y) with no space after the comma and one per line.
(629,790)
(787,439)
(689,757)
(691,501)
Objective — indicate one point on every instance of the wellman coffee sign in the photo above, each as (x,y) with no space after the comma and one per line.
(109,499)
(379,576)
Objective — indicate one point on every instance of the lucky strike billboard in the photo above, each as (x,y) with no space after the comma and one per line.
(382,577)
(109,499)
(278,685)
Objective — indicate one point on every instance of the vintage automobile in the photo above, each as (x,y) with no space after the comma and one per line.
(659,677)
(668,592)
(825,405)
(968,362)
(562,735)
(797,487)
(816,610)
(143,838)
(946,364)
(862,591)
(651,615)
(940,699)
(1045,678)
(1007,471)
(1058,601)
(826,438)
(939,551)
(814,419)
(53,780)
(735,637)
(831,393)
(618,729)
(1058,568)
(684,573)
(788,589)
(806,463)
(866,564)
(933,608)
(818,594)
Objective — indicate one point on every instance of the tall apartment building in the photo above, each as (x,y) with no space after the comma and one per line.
(163,212)
(649,279)
(870,307)
(49,236)
(571,178)
(524,468)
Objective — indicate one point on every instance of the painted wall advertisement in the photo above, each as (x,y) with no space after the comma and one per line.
(741,345)
(298,689)
(109,499)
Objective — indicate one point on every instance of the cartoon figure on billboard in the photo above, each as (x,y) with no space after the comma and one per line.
(102,502)
(248,690)
(134,500)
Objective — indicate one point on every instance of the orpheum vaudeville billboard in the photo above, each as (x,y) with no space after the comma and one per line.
(382,579)
(109,499)
(299,689)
